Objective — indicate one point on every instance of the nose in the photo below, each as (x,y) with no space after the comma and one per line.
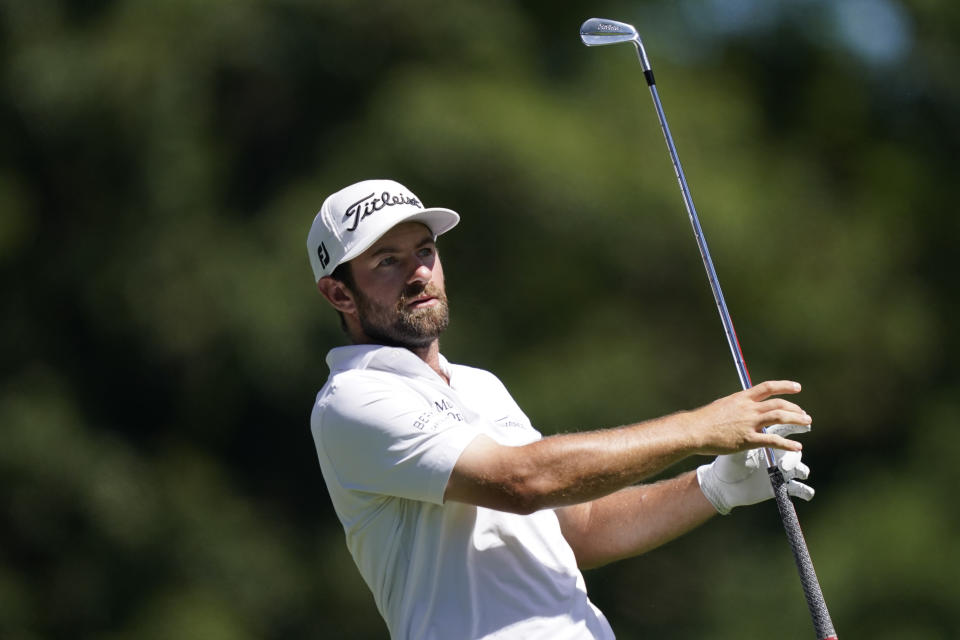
(422,272)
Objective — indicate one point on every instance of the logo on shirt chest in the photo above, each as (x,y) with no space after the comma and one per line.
(443,410)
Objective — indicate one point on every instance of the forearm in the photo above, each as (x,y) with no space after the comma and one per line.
(635,520)
(573,468)
(581,467)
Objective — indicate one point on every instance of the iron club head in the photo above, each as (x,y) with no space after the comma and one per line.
(597,32)
(600,31)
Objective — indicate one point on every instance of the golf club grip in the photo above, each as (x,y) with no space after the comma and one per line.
(822,623)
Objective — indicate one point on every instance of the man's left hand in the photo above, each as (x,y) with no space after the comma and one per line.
(739,479)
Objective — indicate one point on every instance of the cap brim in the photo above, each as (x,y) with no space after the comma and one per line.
(437,219)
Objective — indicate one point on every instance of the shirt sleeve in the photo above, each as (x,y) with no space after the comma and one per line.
(382,437)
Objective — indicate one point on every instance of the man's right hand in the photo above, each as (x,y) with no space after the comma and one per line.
(735,423)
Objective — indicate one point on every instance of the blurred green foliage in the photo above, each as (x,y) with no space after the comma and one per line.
(160,164)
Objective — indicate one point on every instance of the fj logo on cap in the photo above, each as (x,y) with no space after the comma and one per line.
(323,255)
(373,203)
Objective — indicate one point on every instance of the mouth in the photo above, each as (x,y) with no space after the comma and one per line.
(422,302)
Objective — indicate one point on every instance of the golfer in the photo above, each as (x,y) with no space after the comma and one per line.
(462,519)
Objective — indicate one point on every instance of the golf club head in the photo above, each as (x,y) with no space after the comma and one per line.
(600,31)
(597,32)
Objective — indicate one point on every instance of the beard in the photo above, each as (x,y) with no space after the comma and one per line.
(402,326)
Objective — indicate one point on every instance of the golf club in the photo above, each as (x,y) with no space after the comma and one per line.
(599,32)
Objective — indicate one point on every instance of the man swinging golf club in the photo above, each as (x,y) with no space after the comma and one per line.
(462,519)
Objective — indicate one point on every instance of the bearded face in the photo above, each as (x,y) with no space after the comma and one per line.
(393,293)
(417,318)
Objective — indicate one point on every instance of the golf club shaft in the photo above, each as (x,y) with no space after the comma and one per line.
(788,514)
(731,333)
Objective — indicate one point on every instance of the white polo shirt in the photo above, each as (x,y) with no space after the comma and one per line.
(388,432)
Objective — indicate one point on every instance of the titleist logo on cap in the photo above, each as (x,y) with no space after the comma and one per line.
(373,203)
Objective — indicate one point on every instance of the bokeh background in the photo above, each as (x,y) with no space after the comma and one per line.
(162,342)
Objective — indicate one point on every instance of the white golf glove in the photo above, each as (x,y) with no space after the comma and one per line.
(739,479)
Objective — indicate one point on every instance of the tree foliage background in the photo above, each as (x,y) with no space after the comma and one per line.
(160,164)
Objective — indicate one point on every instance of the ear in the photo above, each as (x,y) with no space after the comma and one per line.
(337,294)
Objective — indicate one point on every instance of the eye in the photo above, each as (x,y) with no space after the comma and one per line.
(388,261)
(426,252)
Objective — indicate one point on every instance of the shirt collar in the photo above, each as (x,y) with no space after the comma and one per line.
(380,358)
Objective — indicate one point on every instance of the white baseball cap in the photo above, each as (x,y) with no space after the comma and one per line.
(355,217)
